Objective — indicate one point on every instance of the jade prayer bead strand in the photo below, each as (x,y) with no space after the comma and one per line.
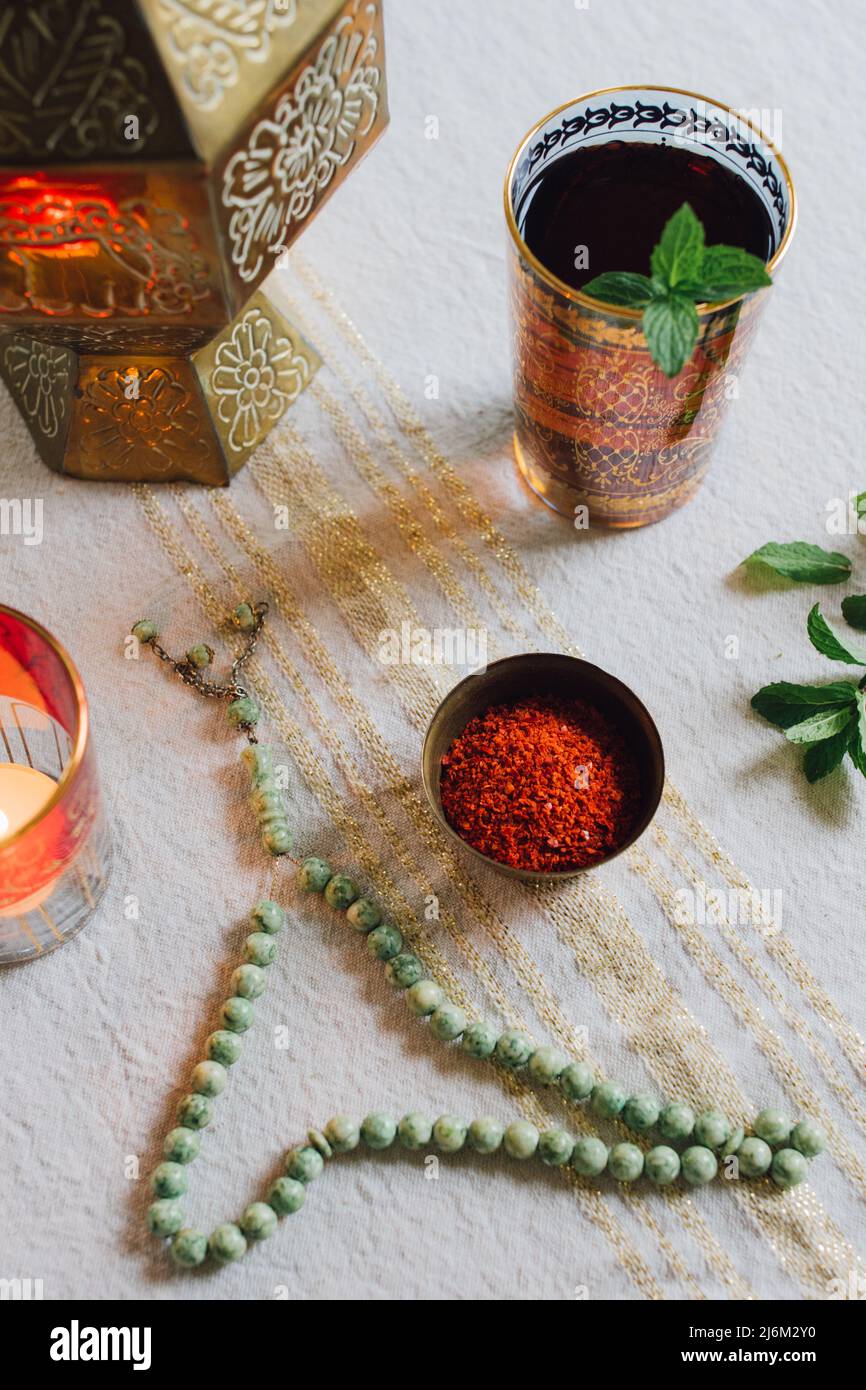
(519,1140)
(266,798)
(708,1136)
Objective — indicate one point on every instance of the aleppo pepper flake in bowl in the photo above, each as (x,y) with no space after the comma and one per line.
(544,765)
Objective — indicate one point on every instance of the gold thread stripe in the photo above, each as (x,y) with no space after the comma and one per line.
(471,562)
(331,564)
(413,428)
(735,941)
(676,1049)
(791,1076)
(779,946)
(590,1200)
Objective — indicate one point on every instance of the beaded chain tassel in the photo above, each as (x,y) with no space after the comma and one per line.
(775,1146)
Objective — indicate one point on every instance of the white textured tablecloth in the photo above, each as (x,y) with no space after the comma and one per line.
(96,1040)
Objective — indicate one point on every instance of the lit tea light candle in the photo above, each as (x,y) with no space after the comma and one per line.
(24,791)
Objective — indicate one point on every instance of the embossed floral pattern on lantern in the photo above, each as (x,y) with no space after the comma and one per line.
(292,156)
(142,409)
(209,38)
(256,377)
(40,375)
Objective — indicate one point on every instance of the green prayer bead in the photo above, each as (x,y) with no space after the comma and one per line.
(555,1147)
(479,1038)
(259,759)
(260,949)
(424,997)
(248,981)
(662,1165)
(754,1157)
(699,1165)
(404,970)
(385,942)
(449,1133)
(268,916)
(590,1156)
(244,617)
(223,1047)
(314,875)
(712,1129)
(237,1014)
(608,1099)
(277,838)
(259,1221)
(164,1217)
(243,713)
(447,1022)
(200,656)
(789,1168)
(342,1134)
(625,1162)
(340,891)
(641,1112)
(415,1130)
(189,1248)
(145,630)
(808,1136)
(732,1144)
(169,1180)
(181,1145)
(513,1049)
(287,1196)
(378,1130)
(485,1135)
(773,1126)
(227,1243)
(304,1164)
(320,1143)
(546,1065)
(195,1111)
(520,1139)
(577,1081)
(208,1079)
(677,1120)
(363,915)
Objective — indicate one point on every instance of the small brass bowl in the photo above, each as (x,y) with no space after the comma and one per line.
(546,673)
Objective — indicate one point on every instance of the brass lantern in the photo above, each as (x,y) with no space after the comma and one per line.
(156,157)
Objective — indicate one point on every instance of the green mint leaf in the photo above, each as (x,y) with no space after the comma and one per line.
(824,640)
(678,255)
(807,564)
(621,287)
(820,726)
(857,745)
(824,757)
(854,611)
(670,326)
(860,503)
(784,704)
(725,273)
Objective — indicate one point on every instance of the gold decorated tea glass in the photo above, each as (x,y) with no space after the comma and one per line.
(598,425)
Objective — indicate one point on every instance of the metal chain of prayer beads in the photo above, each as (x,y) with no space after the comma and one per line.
(697,1165)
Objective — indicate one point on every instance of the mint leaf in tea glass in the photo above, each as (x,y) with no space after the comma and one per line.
(670,326)
(679,253)
(727,272)
(621,287)
(803,562)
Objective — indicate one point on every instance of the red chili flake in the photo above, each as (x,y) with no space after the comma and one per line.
(508,789)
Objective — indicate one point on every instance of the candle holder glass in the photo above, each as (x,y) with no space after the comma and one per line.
(55,866)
